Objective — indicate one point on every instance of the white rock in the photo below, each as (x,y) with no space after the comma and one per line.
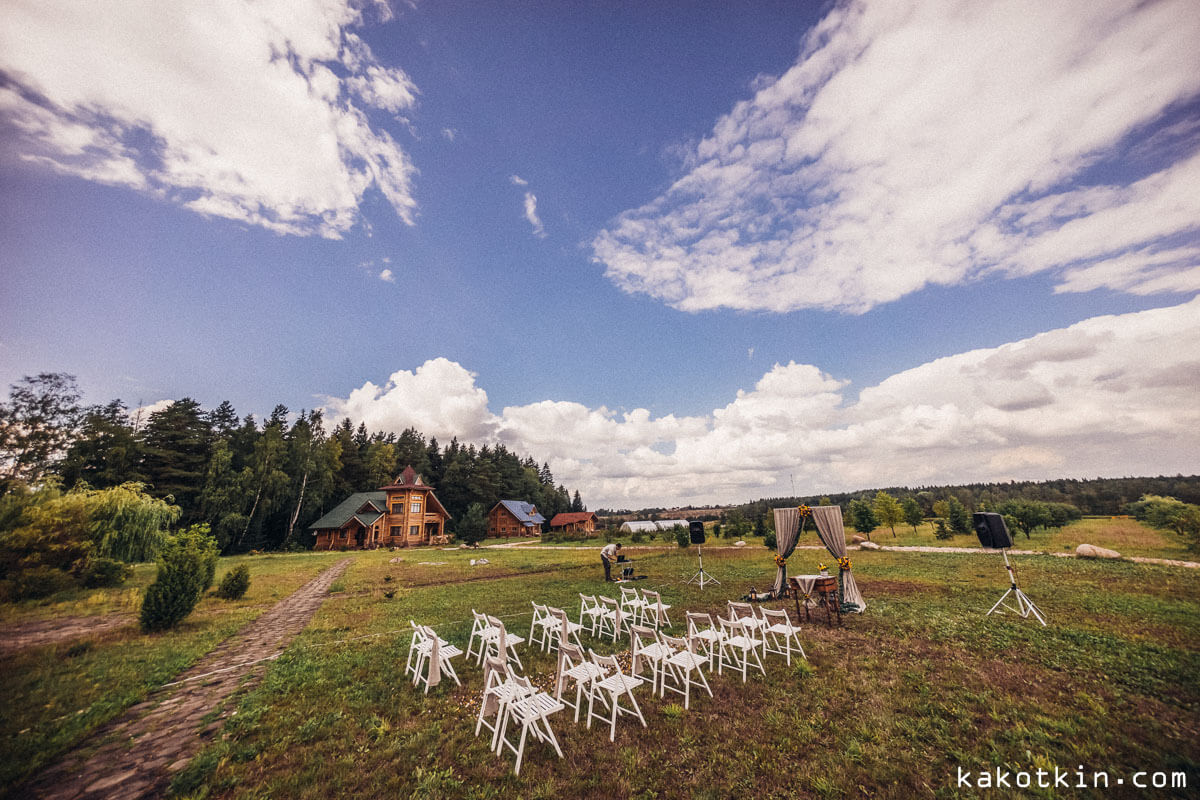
(395,560)
(739,543)
(869,546)
(858,538)
(1091,551)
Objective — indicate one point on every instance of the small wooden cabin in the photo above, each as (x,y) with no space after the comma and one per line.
(514,518)
(574,521)
(405,513)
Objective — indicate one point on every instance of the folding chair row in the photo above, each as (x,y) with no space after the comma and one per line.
(510,698)
(646,608)
(671,657)
(551,626)
(429,657)
(772,627)
(490,636)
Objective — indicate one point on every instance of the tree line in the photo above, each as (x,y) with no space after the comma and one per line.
(257,485)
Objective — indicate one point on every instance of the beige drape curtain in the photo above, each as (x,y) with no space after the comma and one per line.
(829,527)
(787,527)
(435,657)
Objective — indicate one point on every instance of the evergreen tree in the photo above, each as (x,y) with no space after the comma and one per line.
(577,502)
(176,449)
(958,517)
(106,452)
(223,420)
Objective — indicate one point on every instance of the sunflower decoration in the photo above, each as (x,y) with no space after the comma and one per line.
(780,561)
(844,564)
(822,567)
(805,511)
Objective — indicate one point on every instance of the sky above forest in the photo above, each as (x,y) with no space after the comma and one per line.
(687,253)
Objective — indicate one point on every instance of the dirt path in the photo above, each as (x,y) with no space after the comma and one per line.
(49,631)
(135,756)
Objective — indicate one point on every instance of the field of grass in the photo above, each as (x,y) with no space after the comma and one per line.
(55,695)
(1125,535)
(890,705)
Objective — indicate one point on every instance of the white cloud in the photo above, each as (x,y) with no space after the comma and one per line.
(532,216)
(517,180)
(257,112)
(449,134)
(1112,395)
(932,143)
(141,415)
(387,276)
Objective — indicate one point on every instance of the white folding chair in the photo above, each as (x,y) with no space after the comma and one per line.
(541,627)
(779,633)
(632,605)
(481,633)
(532,712)
(499,688)
(609,689)
(654,610)
(747,613)
(611,619)
(647,649)
(589,612)
(504,644)
(563,629)
(702,633)
(433,658)
(678,668)
(738,644)
(573,666)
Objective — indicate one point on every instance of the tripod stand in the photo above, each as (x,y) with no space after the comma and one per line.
(1025,606)
(702,576)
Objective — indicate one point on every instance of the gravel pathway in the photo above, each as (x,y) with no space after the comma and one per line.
(135,756)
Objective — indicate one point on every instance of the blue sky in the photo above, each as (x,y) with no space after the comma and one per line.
(685,252)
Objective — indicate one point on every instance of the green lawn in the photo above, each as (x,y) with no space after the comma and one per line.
(890,705)
(1125,535)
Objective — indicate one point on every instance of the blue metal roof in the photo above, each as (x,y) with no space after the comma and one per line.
(525,513)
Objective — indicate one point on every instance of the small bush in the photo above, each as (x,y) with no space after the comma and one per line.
(100,572)
(185,566)
(940,529)
(637,537)
(235,583)
(769,540)
(34,582)
(683,536)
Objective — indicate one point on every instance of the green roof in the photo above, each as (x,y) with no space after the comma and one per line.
(346,510)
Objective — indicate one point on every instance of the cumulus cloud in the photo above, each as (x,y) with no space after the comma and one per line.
(517,180)
(1112,395)
(387,276)
(257,112)
(919,143)
(532,216)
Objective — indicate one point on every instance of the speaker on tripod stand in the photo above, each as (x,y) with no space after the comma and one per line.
(696,533)
(993,534)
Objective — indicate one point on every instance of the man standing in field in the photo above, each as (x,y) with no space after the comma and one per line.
(608,554)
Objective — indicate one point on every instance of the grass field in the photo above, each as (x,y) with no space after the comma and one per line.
(890,705)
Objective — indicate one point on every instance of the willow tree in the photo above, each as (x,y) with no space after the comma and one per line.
(126,523)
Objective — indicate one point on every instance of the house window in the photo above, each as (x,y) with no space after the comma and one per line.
(397,530)
(415,530)
(416,507)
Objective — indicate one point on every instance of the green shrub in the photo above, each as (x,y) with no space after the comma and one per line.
(637,537)
(186,565)
(941,530)
(235,583)
(34,582)
(682,536)
(99,572)
(770,541)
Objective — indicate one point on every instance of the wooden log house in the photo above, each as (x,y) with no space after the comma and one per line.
(514,518)
(406,513)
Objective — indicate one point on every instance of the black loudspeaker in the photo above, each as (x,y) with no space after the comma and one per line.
(991,530)
(696,529)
